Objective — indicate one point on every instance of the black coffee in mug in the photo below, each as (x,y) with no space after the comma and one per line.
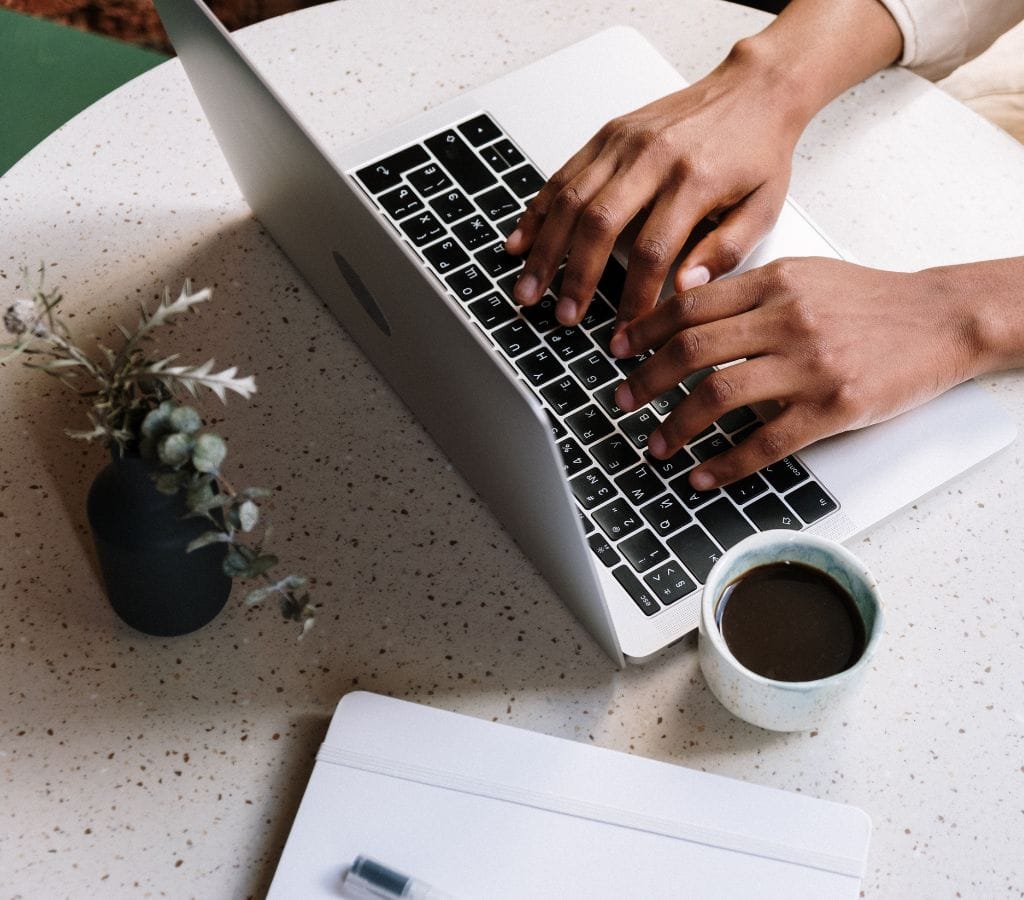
(791,622)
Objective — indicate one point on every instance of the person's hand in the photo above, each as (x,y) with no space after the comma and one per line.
(838,346)
(720,148)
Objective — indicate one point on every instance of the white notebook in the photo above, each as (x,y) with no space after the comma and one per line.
(483,811)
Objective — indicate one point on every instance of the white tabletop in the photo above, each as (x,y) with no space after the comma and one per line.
(137,766)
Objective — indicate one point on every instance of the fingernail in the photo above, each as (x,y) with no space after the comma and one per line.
(526,289)
(515,236)
(694,277)
(566,311)
(656,444)
(619,345)
(624,397)
(702,481)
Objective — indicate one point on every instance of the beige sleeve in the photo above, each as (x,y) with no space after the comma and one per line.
(939,35)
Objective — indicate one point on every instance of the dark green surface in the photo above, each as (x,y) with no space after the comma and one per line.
(48,73)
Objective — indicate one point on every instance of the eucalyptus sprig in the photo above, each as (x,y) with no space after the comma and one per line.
(135,398)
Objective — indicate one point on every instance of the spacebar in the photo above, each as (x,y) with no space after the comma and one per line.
(461,162)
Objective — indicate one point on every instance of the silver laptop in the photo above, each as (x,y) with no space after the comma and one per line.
(402,237)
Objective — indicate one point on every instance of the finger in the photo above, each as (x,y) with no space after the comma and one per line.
(791,431)
(652,253)
(597,230)
(552,242)
(708,303)
(734,238)
(529,224)
(723,390)
(689,351)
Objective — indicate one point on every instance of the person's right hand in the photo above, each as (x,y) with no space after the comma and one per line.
(719,149)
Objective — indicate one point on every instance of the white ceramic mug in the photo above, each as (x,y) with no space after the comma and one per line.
(785,705)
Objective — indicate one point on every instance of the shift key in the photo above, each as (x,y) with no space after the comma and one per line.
(461,162)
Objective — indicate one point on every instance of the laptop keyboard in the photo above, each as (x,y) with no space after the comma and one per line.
(455,197)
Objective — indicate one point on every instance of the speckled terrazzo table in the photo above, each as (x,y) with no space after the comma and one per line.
(137,766)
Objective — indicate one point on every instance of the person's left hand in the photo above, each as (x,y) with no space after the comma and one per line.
(839,346)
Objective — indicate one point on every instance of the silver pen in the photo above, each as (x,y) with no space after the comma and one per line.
(370,878)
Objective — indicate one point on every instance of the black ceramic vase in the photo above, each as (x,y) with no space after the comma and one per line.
(141,536)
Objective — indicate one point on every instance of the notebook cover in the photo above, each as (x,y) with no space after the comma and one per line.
(483,810)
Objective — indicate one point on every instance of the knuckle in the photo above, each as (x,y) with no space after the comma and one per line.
(568,201)
(598,220)
(769,444)
(683,307)
(783,275)
(686,347)
(650,253)
(729,254)
(719,389)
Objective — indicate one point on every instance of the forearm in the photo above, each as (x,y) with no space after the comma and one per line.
(816,49)
(986,299)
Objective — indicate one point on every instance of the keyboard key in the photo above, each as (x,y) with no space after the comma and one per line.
(569,343)
(574,460)
(736,419)
(638,427)
(524,181)
(612,281)
(643,551)
(641,595)
(557,428)
(606,397)
(429,180)
(461,161)
(494,159)
(588,526)
(507,226)
(446,255)
(678,463)
(593,370)
(666,514)
(497,262)
(811,502)
(785,474)
(691,381)
(724,522)
(664,404)
(598,313)
(480,130)
(617,519)
(629,366)
(589,424)
(542,314)
(400,202)
(614,454)
(509,152)
(591,489)
(603,550)
(540,367)
(498,203)
(770,512)
(387,173)
(696,551)
(468,283)
(670,583)
(712,446)
(516,337)
(639,485)
(452,206)
(564,395)
(746,489)
(492,311)
(474,232)
(603,336)
(693,499)
(423,228)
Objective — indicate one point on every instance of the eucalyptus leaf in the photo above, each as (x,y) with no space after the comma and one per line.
(248,515)
(157,421)
(169,482)
(261,565)
(200,496)
(258,595)
(235,564)
(207,538)
(209,452)
(186,420)
(174,449)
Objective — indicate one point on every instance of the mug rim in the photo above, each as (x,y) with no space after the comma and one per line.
(783,536)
